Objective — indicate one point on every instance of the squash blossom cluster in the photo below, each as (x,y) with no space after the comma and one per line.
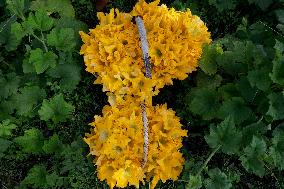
(112,52)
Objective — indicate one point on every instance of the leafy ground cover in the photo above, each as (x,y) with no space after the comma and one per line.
(233,106)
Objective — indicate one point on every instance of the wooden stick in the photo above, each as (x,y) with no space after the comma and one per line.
(148,74)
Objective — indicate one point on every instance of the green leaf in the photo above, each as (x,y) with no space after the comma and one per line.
(4,146)
(206,81)
(56,109)
(31,142)
(69,75)
(194,182)
(276,151)
(255,129)
(17,33)
(225,135)
(217,180)
(42,61)
(222,5)
(6,128)
(53,180)
(246,90)
(260,78)
(208,60)
(236,108)
(53,145)
(280,15)
(62,39)
(205,103)
(8,84)
(228,90)
(263,4)
(28,99)
(17,7)
(40,21)
(54,6)
(36,176)
(276,106)
(277,74)
(253,157)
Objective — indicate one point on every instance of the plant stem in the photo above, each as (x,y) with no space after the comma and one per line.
(41,40)
(208,159)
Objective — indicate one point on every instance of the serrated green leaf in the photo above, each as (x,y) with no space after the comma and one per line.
(276,106)
(53,180)
(225,135)
(207,62)
(277,74)
(69,75)
(42,60)
(263,4)
(36,176)
(236,108)
(56,109)
(53,145)
(54,6)
(40,21)
(276,151)
(217,180)
(255,129)
(17,33)
(8,84)
(4,146)
(17,7)
(260,78)
(253,157)
(6,128)
(28,99)
(62,39)
(222,5)
(205,103)
(31,142)
(194,182)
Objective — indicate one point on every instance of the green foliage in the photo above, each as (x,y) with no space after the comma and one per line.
(222,5)
(56,109)
(62,39)
(53,145)
(253,157)
(225,135)
(217,179)
(276,108)
(276,151)
(31,141)
(4,146)
(6,128)
(194,182)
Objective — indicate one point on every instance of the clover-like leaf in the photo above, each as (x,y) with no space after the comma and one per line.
(56,109)
(225,135)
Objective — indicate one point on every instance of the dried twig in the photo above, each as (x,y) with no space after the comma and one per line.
(148,74)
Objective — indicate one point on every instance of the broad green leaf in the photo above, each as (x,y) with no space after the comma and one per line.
(277,74)
(255,129)
(222,5)
(53,180)
(28,99)
(17,7)
(225,135)
(4,146)
(17,33)
(54,6)
(276,106)
(253,157)
(62,39)
(40,21)
(263,4)
(208,60)
(6,128)
(276,151)
(53,145)
(56,109)
(32,141)
(217,180)
(260,78)
(229,90)
(69,75)
(194,182)
(36,176)
(236,108)
(246,90)
(42,60)
(9,84)
(205,81)
(205,103)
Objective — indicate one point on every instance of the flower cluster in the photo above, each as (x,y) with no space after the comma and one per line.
(117,142)
(112,52)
